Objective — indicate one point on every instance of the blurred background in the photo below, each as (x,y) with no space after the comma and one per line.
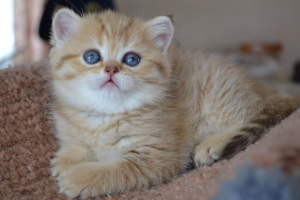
(263,36)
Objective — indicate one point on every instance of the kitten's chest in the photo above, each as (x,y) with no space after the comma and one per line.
(112,137)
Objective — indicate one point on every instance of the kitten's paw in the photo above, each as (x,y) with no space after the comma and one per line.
(80,180)
(58,167)
(208,152)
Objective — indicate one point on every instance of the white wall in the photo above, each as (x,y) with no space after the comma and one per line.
(226,23)
(7,29)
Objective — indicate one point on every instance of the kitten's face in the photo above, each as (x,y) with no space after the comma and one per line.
(109,63)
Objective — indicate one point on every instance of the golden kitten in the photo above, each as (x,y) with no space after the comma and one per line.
(129,111)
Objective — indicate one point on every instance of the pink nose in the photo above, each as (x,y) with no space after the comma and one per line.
(111,70)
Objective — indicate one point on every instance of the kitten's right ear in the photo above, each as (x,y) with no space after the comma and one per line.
(162,29)
(64,24)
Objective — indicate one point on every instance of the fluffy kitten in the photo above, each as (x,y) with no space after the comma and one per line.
(129,116)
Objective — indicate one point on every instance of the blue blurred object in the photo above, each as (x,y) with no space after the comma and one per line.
(261,184)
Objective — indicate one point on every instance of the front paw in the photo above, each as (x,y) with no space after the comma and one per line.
(81,180)
(58,167)
(208,152)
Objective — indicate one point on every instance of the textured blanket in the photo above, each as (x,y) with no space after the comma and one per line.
(27,145)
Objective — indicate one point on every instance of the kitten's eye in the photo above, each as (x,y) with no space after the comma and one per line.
(131,59)
(92,57)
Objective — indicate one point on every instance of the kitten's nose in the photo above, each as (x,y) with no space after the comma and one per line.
(111,70)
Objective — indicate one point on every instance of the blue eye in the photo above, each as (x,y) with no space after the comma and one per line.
(131,59)
(92,57)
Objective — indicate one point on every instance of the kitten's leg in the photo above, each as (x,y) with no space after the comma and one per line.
(131,171)
(228,143)
(67,156)
(211,149)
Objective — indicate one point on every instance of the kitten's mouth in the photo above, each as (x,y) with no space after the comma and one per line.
(110,83)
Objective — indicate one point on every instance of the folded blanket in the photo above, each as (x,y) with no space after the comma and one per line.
(27,145)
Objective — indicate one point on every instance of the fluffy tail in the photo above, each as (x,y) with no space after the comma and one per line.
(276,109)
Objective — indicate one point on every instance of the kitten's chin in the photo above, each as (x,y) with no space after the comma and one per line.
(113,100)
(110,99)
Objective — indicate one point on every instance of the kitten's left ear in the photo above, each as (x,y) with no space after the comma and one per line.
(162,29)
(64,25)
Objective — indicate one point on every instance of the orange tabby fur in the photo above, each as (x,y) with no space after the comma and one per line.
(167,107)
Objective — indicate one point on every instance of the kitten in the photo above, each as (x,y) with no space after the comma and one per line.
(130,108)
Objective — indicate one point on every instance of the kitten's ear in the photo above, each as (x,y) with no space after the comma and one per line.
(162,29)
(64,24)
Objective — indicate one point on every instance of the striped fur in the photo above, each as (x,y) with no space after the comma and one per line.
(141,131)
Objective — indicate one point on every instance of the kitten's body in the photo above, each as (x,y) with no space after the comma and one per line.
(141,129)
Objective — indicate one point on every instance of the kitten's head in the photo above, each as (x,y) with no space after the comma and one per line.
(109,63)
